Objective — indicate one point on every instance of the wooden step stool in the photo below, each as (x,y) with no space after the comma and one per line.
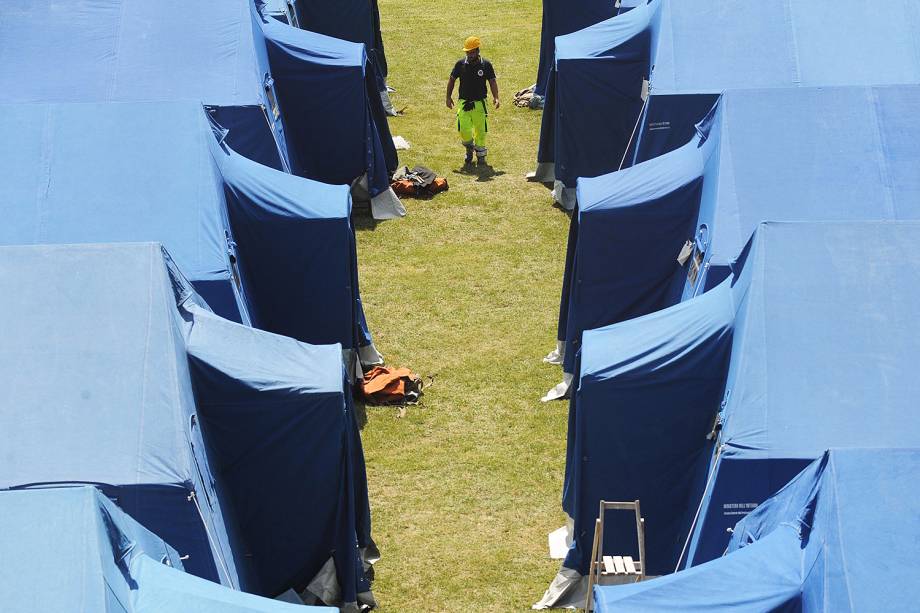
(613,570)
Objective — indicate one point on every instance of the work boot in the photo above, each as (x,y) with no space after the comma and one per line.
(481,161)
(469,157)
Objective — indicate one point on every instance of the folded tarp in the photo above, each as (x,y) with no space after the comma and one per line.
(236,446)
(836,538)
(134,50)
(709,46)
(563,17)
(339,130)
(842,153)
(777,363)
(262,246)
(100,561)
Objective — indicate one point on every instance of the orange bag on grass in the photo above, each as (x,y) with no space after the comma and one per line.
(383,385)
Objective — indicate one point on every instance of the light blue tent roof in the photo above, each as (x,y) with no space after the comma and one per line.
(838,153)
(131,50)
(99,561)
(98,389)
(838,537)
(136,51)
(706,47)
(116,373)
(115,172)
(711,46)
(262,246)
(810,345)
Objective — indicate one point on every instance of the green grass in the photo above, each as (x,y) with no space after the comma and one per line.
(465,289)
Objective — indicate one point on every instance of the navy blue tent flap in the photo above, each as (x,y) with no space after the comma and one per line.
(357,21)
(595,94)
(275,418)
(631,225)
(129,51)
(339,129)
(792,367)
(297,251)
(820,543)
(647,395)
(93,359)
(563,17)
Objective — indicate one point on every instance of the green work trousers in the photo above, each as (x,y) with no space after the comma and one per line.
(473,126)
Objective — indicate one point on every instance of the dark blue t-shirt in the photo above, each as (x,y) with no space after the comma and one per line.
(473,77)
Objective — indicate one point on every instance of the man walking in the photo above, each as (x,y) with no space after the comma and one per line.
(472,116)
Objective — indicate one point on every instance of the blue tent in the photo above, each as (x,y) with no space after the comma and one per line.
(704,48)
(594,92)
(770,368)
(237,447)
(131,50)
(339,130)
(841,536)
(563,17)
(218,52)
(100,560)
(261,246)
(782,154)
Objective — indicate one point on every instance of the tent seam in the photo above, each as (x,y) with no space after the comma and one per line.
(843,555)
(794,46)
(44,183)
(113,84)
(881,152)
(143,403)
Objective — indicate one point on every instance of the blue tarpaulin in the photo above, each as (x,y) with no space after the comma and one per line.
(74,550)
(236,446)
(338,127)
(815,325)
(841,536)
(781,154)
(695,50)
(261,245)
(562,17)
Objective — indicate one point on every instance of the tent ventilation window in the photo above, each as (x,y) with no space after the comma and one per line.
(272,99)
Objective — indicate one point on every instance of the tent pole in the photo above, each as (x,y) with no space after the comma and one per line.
(699,508)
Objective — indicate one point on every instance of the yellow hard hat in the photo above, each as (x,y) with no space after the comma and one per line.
(471,43)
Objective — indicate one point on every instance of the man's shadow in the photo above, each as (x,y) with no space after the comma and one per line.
(482,173)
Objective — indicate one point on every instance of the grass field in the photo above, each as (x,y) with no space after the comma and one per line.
(465,289)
